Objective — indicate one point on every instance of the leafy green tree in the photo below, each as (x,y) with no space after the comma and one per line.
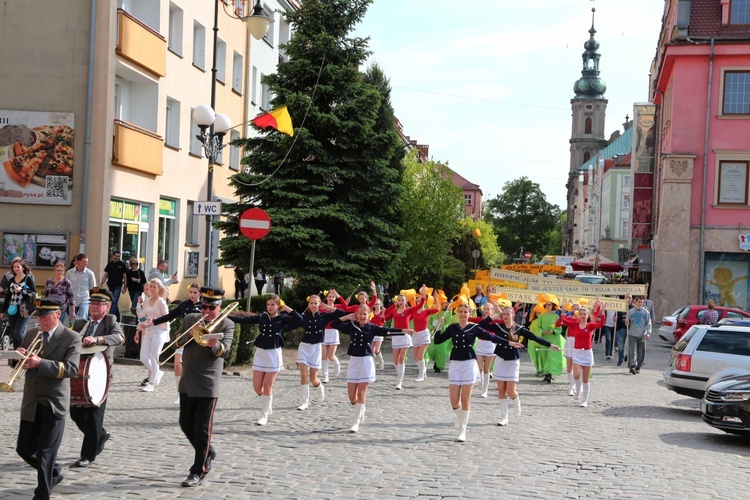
(555,236)
(332,190)
(432,211)
(522,217)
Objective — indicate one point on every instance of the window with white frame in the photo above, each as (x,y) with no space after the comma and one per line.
(199,45)
(195,144)
(739,12)
(270,33)
(265,95)
(175,29)
(624,225)
(736,93)
(234,151)
(221,61)
(626,179)
(468,199)
(237,73)
(172,129)
(254,86)
(625,200)
(191,225)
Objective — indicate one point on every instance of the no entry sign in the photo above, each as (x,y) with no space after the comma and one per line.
(255,223)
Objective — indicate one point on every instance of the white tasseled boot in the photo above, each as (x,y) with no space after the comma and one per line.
(422,371)
(503,412)
(321,391)
(381,360)
(572,384)
(464,422)
(265,411)
(305,397)
(577,395)
(337,367)
(325,371)
(586,389)
(516,403)
(400,369)
(177,384)
(485,384)
(458,412)
(358,410)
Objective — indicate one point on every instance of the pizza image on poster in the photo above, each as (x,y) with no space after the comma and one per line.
(36,152)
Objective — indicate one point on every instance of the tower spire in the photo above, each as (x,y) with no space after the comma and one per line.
(590,86)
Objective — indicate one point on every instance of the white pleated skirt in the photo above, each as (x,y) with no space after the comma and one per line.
(268,360)
(310,355)
(583,357)
(331,337)
(361,369)
(506,370)
(463,372)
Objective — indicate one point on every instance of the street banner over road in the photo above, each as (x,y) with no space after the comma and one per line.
(556,286)
(527,297)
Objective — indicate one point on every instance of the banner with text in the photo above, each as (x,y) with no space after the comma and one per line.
(556,286)
(527,297)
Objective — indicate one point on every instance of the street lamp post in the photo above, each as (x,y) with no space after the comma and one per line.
(214,126)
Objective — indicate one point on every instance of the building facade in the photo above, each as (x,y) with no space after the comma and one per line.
(130,88)
(701,210)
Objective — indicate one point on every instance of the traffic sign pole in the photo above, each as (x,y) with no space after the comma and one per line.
(252,276)
(254,224)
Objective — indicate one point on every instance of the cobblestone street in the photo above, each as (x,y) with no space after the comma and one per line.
(635,440)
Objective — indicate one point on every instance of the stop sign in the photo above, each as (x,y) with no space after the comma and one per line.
(255,223)
(527,255)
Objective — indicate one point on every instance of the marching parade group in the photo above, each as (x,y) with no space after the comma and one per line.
(482,336)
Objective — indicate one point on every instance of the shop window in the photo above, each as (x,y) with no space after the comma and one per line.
(166,234)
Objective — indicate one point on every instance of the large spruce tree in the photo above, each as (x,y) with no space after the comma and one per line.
(333,190)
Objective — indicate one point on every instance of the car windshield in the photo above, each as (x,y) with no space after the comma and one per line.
(591,280)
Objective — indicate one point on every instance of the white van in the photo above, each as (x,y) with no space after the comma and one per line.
(591,279)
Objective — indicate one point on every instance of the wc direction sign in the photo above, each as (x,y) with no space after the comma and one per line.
(207,208)
(255,223)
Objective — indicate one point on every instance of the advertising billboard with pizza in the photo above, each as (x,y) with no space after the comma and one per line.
(36,152)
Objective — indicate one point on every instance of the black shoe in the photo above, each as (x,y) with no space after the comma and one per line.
(548,378)
(436,369)
(192,480)
(619,363)
(632,370)
(638,369)
(210,458)
(145,382)
(82,462)
(103,439)
(57,479)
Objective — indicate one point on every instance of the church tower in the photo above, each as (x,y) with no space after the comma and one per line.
(587,136)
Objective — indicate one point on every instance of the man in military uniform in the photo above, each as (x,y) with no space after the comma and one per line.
(46,394)
(199,385)
(102,329)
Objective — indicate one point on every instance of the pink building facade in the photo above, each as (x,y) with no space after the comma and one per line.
(700,84)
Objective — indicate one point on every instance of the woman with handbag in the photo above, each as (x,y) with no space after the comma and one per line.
(18,300)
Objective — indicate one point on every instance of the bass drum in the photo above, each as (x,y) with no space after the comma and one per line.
(91,385)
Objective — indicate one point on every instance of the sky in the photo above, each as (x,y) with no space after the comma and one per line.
(487,85)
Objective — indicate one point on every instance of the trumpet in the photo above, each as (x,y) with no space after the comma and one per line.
(34,349)
(201,330)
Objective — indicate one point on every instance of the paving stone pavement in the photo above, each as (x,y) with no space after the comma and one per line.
(635,440)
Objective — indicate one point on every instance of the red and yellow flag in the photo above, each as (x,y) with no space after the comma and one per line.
(278,118)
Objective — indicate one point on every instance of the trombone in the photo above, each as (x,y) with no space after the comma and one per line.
(34,349)
(201,330)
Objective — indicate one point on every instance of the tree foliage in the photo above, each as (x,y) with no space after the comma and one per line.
(522,217)
(332,190)
(432,210)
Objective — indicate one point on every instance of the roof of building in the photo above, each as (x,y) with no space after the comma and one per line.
(463,183)
(705,21)
(620,146)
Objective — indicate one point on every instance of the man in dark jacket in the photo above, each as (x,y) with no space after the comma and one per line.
(46,393)
(201,374)
(100,332)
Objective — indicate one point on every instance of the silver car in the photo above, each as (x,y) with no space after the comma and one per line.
(705,354)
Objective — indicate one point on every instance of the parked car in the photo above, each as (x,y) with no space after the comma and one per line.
(668,324)
(726,405)
(591,279)
(706,354)
(691,315)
